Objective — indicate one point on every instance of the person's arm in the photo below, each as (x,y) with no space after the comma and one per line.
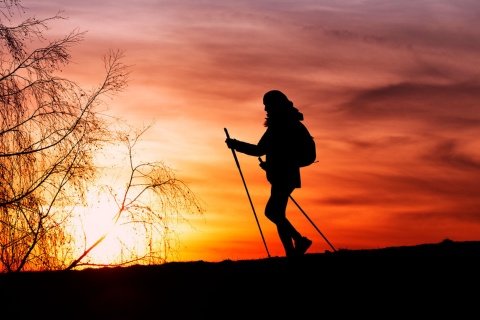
(245,147)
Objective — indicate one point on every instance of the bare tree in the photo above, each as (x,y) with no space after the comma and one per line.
(50,131)
(152,202)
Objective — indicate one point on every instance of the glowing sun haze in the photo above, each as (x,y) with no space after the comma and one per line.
(389,89)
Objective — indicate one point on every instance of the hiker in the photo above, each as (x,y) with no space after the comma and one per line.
(282,171)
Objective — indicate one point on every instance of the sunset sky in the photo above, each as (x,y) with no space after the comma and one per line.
(390,90)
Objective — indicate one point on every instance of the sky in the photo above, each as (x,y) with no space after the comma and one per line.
(390,90)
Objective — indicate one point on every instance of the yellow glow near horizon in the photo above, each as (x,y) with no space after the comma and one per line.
(95,222)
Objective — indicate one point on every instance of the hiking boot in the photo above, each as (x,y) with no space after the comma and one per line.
(302,245)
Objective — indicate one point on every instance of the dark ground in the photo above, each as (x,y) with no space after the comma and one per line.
(423,281)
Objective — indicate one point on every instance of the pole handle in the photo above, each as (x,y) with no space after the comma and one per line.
(226,132)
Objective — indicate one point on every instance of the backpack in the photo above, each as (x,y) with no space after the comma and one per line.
(305,149)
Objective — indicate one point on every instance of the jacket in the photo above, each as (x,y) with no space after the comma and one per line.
(278,145)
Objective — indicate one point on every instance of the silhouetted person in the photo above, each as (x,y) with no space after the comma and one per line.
(277,144)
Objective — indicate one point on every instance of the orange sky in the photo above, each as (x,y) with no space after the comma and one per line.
(389,89)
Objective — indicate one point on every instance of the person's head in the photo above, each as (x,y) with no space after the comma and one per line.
(276,102)
(278,106)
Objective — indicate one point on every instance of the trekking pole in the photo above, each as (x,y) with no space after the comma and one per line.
(312,223)
(260,159)
(248,194)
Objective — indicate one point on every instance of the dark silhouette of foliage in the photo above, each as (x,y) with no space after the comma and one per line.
(50,132)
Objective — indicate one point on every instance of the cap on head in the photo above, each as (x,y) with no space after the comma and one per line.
(275,98)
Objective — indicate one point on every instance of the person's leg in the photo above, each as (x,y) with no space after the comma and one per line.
(275,211)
